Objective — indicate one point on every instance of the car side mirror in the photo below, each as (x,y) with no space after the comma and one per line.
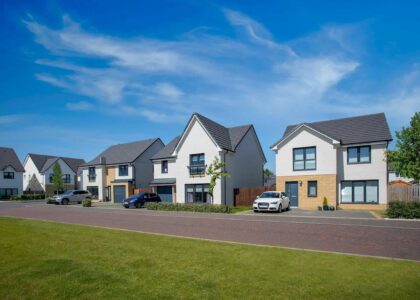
(258,196)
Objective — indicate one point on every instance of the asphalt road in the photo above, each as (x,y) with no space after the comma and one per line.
(386,238)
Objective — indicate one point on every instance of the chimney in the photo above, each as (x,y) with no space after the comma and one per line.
(103,160)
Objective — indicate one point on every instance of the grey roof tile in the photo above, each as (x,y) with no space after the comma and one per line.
(8,157)
(353,130)
(123,153)
(73,163)
(166,152)
(39,159)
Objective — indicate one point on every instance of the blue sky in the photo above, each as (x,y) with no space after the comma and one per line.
(78,76)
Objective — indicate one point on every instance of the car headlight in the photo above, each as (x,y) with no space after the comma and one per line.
(255,202)
(274,202)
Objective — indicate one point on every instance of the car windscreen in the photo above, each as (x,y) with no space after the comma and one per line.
(135,196)
(270,195)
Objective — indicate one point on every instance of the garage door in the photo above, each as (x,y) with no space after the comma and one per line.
(119,193)
(165,193)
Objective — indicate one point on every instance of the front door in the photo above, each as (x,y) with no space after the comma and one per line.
(119,193)
(292,193)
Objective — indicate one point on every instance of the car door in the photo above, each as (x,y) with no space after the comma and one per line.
(75,197)
(285,199)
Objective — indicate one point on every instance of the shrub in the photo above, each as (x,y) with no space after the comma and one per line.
(50,201)
(325,203)
(403,209)
(87,203)
(189,207)
(28,197)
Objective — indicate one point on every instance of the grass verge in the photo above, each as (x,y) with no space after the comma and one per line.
(44,260)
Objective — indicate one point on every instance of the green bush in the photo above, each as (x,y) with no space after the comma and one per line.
(28,197)
(189,207)
(402,209)
(87,203)
(51,201)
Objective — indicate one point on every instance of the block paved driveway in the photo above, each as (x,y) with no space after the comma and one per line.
(387,238)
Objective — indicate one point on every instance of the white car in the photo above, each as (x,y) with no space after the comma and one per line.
(271,201)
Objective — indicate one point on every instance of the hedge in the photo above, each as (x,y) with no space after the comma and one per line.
(28,197)
(87,203)
(402,209)
(206,208)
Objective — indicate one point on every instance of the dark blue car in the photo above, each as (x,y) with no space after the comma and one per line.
(138,200)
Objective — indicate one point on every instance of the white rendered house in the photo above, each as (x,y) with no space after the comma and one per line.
(342,160)
(179,168)
(39,170)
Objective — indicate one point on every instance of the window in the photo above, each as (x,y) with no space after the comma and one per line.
(93,190)
(197,164)
(51,178)
(92,174)
(164,166)
(358,155)
(197,193)
(67,178)
(359,191)
(304,159)
(123,170)
(6,193)
(8,175)
(312,188)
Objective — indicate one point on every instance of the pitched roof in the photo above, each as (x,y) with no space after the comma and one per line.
(8,157)
(353,130)
(122,153)
(39,160)
(225,138)
(166,152)
(73,163)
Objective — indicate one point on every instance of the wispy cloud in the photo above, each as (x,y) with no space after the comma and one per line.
(82,105)
(252,73)
(11,119)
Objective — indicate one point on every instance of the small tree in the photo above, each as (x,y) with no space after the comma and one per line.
(268,173)
(57,177)
(215,170)
(406,158)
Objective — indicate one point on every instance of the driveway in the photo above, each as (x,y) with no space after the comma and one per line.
(386,238)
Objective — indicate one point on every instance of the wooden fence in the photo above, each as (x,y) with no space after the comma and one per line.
(246,196)
(404,193)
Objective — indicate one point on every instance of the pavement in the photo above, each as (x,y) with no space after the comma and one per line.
(350,233)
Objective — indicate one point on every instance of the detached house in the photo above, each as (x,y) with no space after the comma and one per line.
(342,160)
(11,173)
(115,173)
(39,172)
(180,167)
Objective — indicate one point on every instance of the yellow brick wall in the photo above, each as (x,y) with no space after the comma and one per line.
(363,206)
(110,177)
(327,187)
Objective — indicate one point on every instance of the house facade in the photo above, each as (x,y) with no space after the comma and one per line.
(115,173)
(11,173)
(342,160)
(39,171)
(180,168)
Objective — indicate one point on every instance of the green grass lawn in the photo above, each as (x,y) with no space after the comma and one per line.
(42,260)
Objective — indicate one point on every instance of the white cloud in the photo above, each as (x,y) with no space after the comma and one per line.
(252,75)
(82,105)
(10,119)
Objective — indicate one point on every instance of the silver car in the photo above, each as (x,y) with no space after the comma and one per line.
(72,196)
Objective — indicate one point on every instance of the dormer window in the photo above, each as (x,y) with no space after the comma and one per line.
(358,155)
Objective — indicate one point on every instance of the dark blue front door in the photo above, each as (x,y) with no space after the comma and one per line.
(165,193)
(292,193)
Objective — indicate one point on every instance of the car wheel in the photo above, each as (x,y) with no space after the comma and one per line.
(65,201)
(280,209)
(288,207)
(255,211)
